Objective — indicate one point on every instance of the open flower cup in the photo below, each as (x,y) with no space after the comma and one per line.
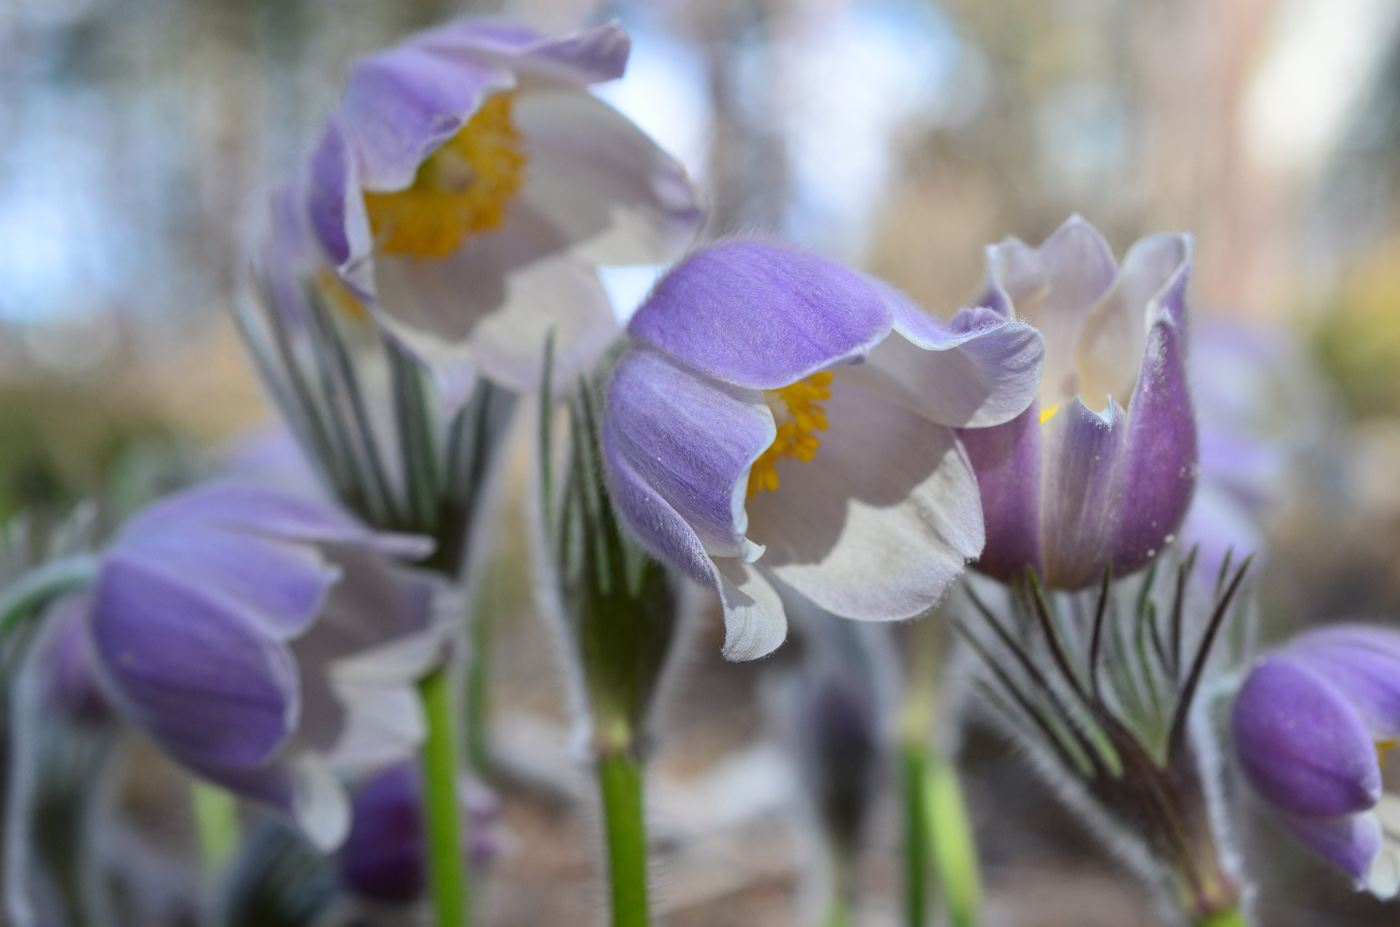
(747,439)
(267,643)
(1080,479)
(469,182)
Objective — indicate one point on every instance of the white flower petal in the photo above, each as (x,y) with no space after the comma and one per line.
(754,621)
(319,804)
(602,182)
(881,520)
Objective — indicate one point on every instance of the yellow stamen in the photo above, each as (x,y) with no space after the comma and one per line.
(1048,413)
(795,438)
(461,189)
(1385,746)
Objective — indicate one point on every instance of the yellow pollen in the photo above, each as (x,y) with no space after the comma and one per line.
(1048,413)
(795,437)
(338,297)
(461,189)
(1385,746)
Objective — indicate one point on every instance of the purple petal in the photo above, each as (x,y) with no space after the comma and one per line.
(762,315)
(1363,664)
(202,679)
(401,104)
(1159,466)
(70,675)
(1350,842)
(581,58)
(336,205)
(1301,745)
(262,511)
(653,520)
(613,194)
(382,857)
(1079,493)
(1006,459)
(979,369)
(280,584)
(692,441)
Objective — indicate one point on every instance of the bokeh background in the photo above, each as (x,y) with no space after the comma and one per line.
(137,136)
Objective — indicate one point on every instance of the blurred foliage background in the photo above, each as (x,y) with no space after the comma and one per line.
(138,136)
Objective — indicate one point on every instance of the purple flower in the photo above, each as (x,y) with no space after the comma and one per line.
(1312,726)
(468,182)
(746,441)
(70,676)
(267,643)
(382,858)
(1103,464)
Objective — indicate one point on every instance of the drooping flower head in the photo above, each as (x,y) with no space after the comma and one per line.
(468,181)
(266,643)
(1103,464)
(1313,726)
(745,439)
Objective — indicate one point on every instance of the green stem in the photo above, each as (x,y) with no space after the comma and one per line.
(952,846)
(447,871)
(620,780)
(216,822)
(38,588)
(916,838)
(1231,917)
(841,906)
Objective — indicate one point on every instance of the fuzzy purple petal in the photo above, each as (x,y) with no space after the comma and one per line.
(1350,842)
(691,440)
(1007,460)
(1362,663)
(401,104)
(1079,492)
(581,58)
(762,315)
(1300,743)
(202,678)
(1159,467)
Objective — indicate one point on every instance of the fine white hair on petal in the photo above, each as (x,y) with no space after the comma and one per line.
(755,623)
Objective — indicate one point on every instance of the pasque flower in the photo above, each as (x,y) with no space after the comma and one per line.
(746,441)
(468,181)
(1313,725)
(1103,464)
(267,643)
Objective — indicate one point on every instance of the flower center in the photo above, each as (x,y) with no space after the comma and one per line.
(797,415)
(461,189)
(1385,746)
(1048,413)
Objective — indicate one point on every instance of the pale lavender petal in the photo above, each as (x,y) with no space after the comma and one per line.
(613,194)
(201,679)
(1079,493)
(691,440)
(1015,275)
(762,315)
(1152,280)
(1301,744)
(280,584)
(652,519)
(271,513)
(401,104)
(1006,459)
(1158,469)
(1363,664)
(977,370)
(889,494)
(1350,842)
(581,58)
(336,205)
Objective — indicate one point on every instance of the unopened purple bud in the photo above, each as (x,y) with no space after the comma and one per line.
(1312,726)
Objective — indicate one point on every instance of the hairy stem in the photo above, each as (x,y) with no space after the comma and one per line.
(620,782)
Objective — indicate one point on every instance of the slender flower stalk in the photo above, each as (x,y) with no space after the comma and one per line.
(216,825)
(620,783)
(1103,688)
(447,870)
